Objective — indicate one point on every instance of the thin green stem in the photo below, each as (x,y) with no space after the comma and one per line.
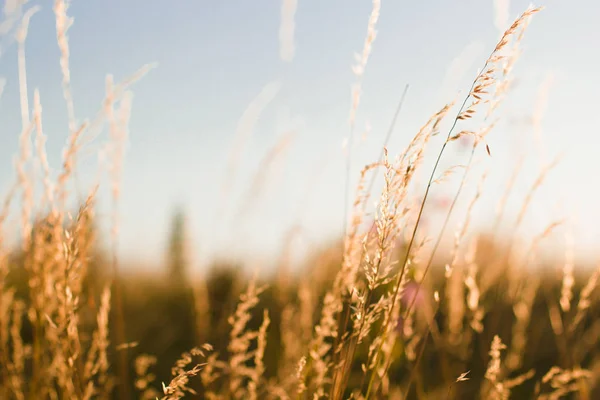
(444,226)
(369,190)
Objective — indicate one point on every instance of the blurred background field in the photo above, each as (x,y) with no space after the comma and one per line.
(167,314)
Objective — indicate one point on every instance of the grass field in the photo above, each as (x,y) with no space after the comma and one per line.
(388,311)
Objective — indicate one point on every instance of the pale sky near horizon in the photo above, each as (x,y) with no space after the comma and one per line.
(214,58)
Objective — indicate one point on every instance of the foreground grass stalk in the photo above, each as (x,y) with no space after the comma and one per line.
(414,231)
(419,216)
(481,81)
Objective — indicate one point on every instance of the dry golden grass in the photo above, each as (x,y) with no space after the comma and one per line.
(374,320)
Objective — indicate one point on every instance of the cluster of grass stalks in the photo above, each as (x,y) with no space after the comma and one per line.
(377,317)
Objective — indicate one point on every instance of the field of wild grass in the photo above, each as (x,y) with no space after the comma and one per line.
(385,312)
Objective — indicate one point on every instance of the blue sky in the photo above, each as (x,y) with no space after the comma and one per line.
(214,58)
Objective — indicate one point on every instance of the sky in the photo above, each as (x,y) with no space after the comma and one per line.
(220,70)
